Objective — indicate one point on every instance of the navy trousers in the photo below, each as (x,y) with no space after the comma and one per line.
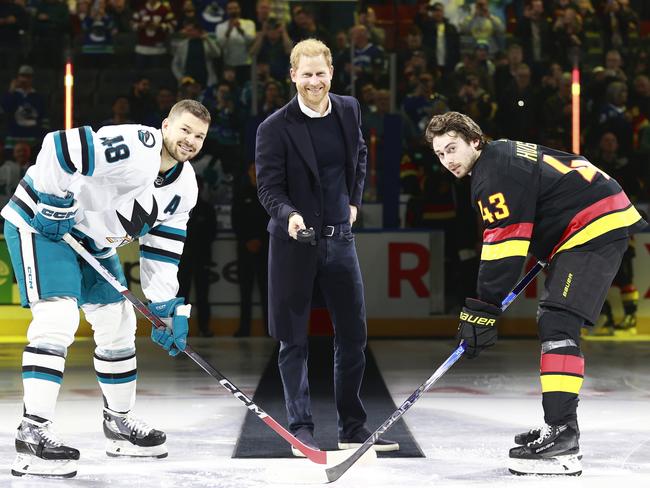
(339,279)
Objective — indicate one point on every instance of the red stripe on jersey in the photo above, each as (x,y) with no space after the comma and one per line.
(592,212)
(562,363)
(521,231)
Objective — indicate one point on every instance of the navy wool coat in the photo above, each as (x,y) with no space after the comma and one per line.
(288,181)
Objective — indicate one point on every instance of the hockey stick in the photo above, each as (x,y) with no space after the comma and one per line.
(314,455)
(335,472)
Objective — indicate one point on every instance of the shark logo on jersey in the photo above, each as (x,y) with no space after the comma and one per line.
(146,138)
(140,222)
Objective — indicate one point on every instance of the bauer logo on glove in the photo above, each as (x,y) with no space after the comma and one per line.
(476,319)
(477,326)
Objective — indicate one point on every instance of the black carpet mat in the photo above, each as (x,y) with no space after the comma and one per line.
(257,440)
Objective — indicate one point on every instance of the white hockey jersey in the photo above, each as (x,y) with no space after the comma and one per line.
(113,175)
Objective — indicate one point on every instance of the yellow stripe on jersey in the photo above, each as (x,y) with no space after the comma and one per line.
(561,382)
(505,249)
(601,226)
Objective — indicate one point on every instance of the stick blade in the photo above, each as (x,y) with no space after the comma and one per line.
(337,457)
(335,472)
(302,472)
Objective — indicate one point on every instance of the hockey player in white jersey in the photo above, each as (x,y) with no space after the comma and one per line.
(107,188)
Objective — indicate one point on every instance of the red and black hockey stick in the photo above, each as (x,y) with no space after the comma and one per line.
(314,455)
(335,472)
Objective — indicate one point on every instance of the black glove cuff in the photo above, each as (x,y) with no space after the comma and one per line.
(481,306)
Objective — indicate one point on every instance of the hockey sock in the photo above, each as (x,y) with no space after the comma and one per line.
(561,374)
(43,366)
(562,365)
(117,374)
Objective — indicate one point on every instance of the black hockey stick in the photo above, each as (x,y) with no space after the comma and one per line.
(314,455)
(335,472)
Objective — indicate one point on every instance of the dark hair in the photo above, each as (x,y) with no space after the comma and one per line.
(461,124)
(192,106)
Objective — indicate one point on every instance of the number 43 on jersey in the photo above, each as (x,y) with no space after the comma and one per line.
(497,208)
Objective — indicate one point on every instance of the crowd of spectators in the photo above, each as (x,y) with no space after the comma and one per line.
(505,63)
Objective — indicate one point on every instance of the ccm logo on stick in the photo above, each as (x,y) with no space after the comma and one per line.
(242,398)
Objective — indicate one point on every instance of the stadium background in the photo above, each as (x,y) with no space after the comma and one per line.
(509,67)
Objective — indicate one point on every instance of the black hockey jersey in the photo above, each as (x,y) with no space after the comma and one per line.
(543,201)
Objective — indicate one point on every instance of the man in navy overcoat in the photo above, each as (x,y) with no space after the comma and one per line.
(311,164)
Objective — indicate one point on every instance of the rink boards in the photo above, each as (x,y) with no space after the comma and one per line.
(403,277)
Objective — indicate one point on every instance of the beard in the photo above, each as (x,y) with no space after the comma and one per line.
(314,98)
(175,152)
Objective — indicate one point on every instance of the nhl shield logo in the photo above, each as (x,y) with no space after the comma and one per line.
(146,138)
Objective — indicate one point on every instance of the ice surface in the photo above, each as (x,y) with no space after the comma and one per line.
(464,425)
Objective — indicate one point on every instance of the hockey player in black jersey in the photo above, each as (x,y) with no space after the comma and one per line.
(561,209)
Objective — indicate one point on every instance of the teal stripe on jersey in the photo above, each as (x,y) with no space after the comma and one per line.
(117,381)
(91,150)
(42,376)
(171,230)
(158,257)
(29,181)
(170,173)
(58,145)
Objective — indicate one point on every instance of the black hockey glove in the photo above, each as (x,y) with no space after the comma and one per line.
(477,326)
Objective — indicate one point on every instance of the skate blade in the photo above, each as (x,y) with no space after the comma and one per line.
(28,465)
(116,448)
(569,465)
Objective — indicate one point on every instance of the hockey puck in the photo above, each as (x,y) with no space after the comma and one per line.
(306,236)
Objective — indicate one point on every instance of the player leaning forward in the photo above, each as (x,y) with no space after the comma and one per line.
(562,209)
(107,188)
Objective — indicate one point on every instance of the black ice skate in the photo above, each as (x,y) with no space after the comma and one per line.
(526,437)
(41,453)
(129,436)
(555,451)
